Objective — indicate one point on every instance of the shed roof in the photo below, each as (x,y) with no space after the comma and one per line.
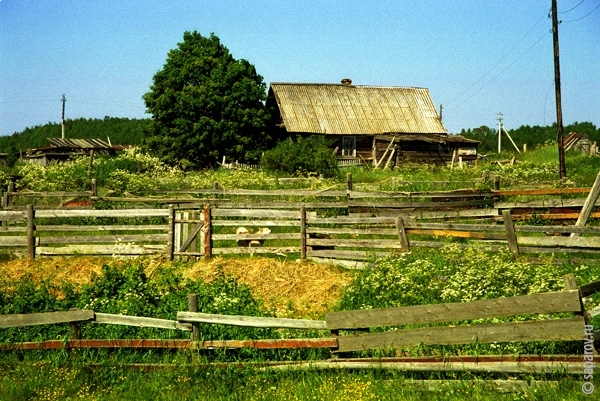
(356,110)
(88,144)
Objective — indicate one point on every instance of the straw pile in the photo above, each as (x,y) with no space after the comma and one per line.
(288,289)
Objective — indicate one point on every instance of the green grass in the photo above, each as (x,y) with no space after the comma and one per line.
(62,378)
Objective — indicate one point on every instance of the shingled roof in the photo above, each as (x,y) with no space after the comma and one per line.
(356,110)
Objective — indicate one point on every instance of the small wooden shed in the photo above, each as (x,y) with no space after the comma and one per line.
(381,125)
(63,149)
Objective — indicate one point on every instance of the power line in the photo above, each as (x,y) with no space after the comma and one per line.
(587,15)
(494,66)
(501,72)
(571,9)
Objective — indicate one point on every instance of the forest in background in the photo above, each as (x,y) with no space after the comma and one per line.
(122,131)
(125,131)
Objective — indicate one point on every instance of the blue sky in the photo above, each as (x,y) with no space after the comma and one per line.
(476,57)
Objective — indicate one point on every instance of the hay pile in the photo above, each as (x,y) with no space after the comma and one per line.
(288,289)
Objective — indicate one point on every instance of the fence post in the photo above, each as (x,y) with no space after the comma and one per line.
(302,233)
(348,185)
(94,188)
(11,189)
(74,329)
(207,232)
(511,237)
(30,232)
(171,234)
(497,183)
(404,244)
(193,307)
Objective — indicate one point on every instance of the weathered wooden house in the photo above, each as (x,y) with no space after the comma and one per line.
(374,124)
(61,149)
(578,142)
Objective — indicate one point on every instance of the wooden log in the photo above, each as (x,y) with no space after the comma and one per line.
(8,215)
(225,237)
(36,319)
(103,213)
(379,243)
(251,321)
(544,191)
(256,223)
(590,288)
(281,214)
(544,303)
(255,250)
(588,205)
(70,228)
(98,239)
(511,237)
(193,308)
(557,229)
(345,254)
(30,232)
(207,232)
(171,233)
(539,330)
(127,249)
(14,241)
(402,238)
(567,242)
(303,228)
(137,321)
(290,343)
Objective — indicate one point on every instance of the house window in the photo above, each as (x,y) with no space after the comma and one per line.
(349,146)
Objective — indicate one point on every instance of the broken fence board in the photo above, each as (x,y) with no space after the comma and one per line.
(543,303)
(559,241)
(123,249)
(539,330)
(114,239)
(35,319)
(103,213)
(251,321)
(254,250)
(282,214)
(136,321)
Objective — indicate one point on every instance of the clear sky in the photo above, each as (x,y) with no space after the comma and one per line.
(476,57)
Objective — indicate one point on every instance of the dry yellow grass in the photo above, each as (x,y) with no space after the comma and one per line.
(287,288)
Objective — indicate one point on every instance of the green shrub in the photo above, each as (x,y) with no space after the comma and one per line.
(306,156)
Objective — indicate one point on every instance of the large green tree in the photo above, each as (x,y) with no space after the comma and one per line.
(205,105)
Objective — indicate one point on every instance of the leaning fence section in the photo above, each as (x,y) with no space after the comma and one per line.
(346,332)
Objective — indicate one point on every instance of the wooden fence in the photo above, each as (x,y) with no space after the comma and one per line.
(207,231)
(551,328)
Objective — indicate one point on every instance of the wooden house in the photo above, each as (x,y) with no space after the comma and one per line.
(578,142)
(376,124)
(61,149)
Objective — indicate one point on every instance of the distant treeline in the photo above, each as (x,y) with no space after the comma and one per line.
(125,131)
(122,131)
(532,136)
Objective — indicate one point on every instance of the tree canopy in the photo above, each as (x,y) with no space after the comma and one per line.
(205,104)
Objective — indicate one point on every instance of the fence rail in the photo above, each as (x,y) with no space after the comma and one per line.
(207,230)
(558,328)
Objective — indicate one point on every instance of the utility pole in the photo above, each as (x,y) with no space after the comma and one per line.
(499,132)
(559,122)
(62,120)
